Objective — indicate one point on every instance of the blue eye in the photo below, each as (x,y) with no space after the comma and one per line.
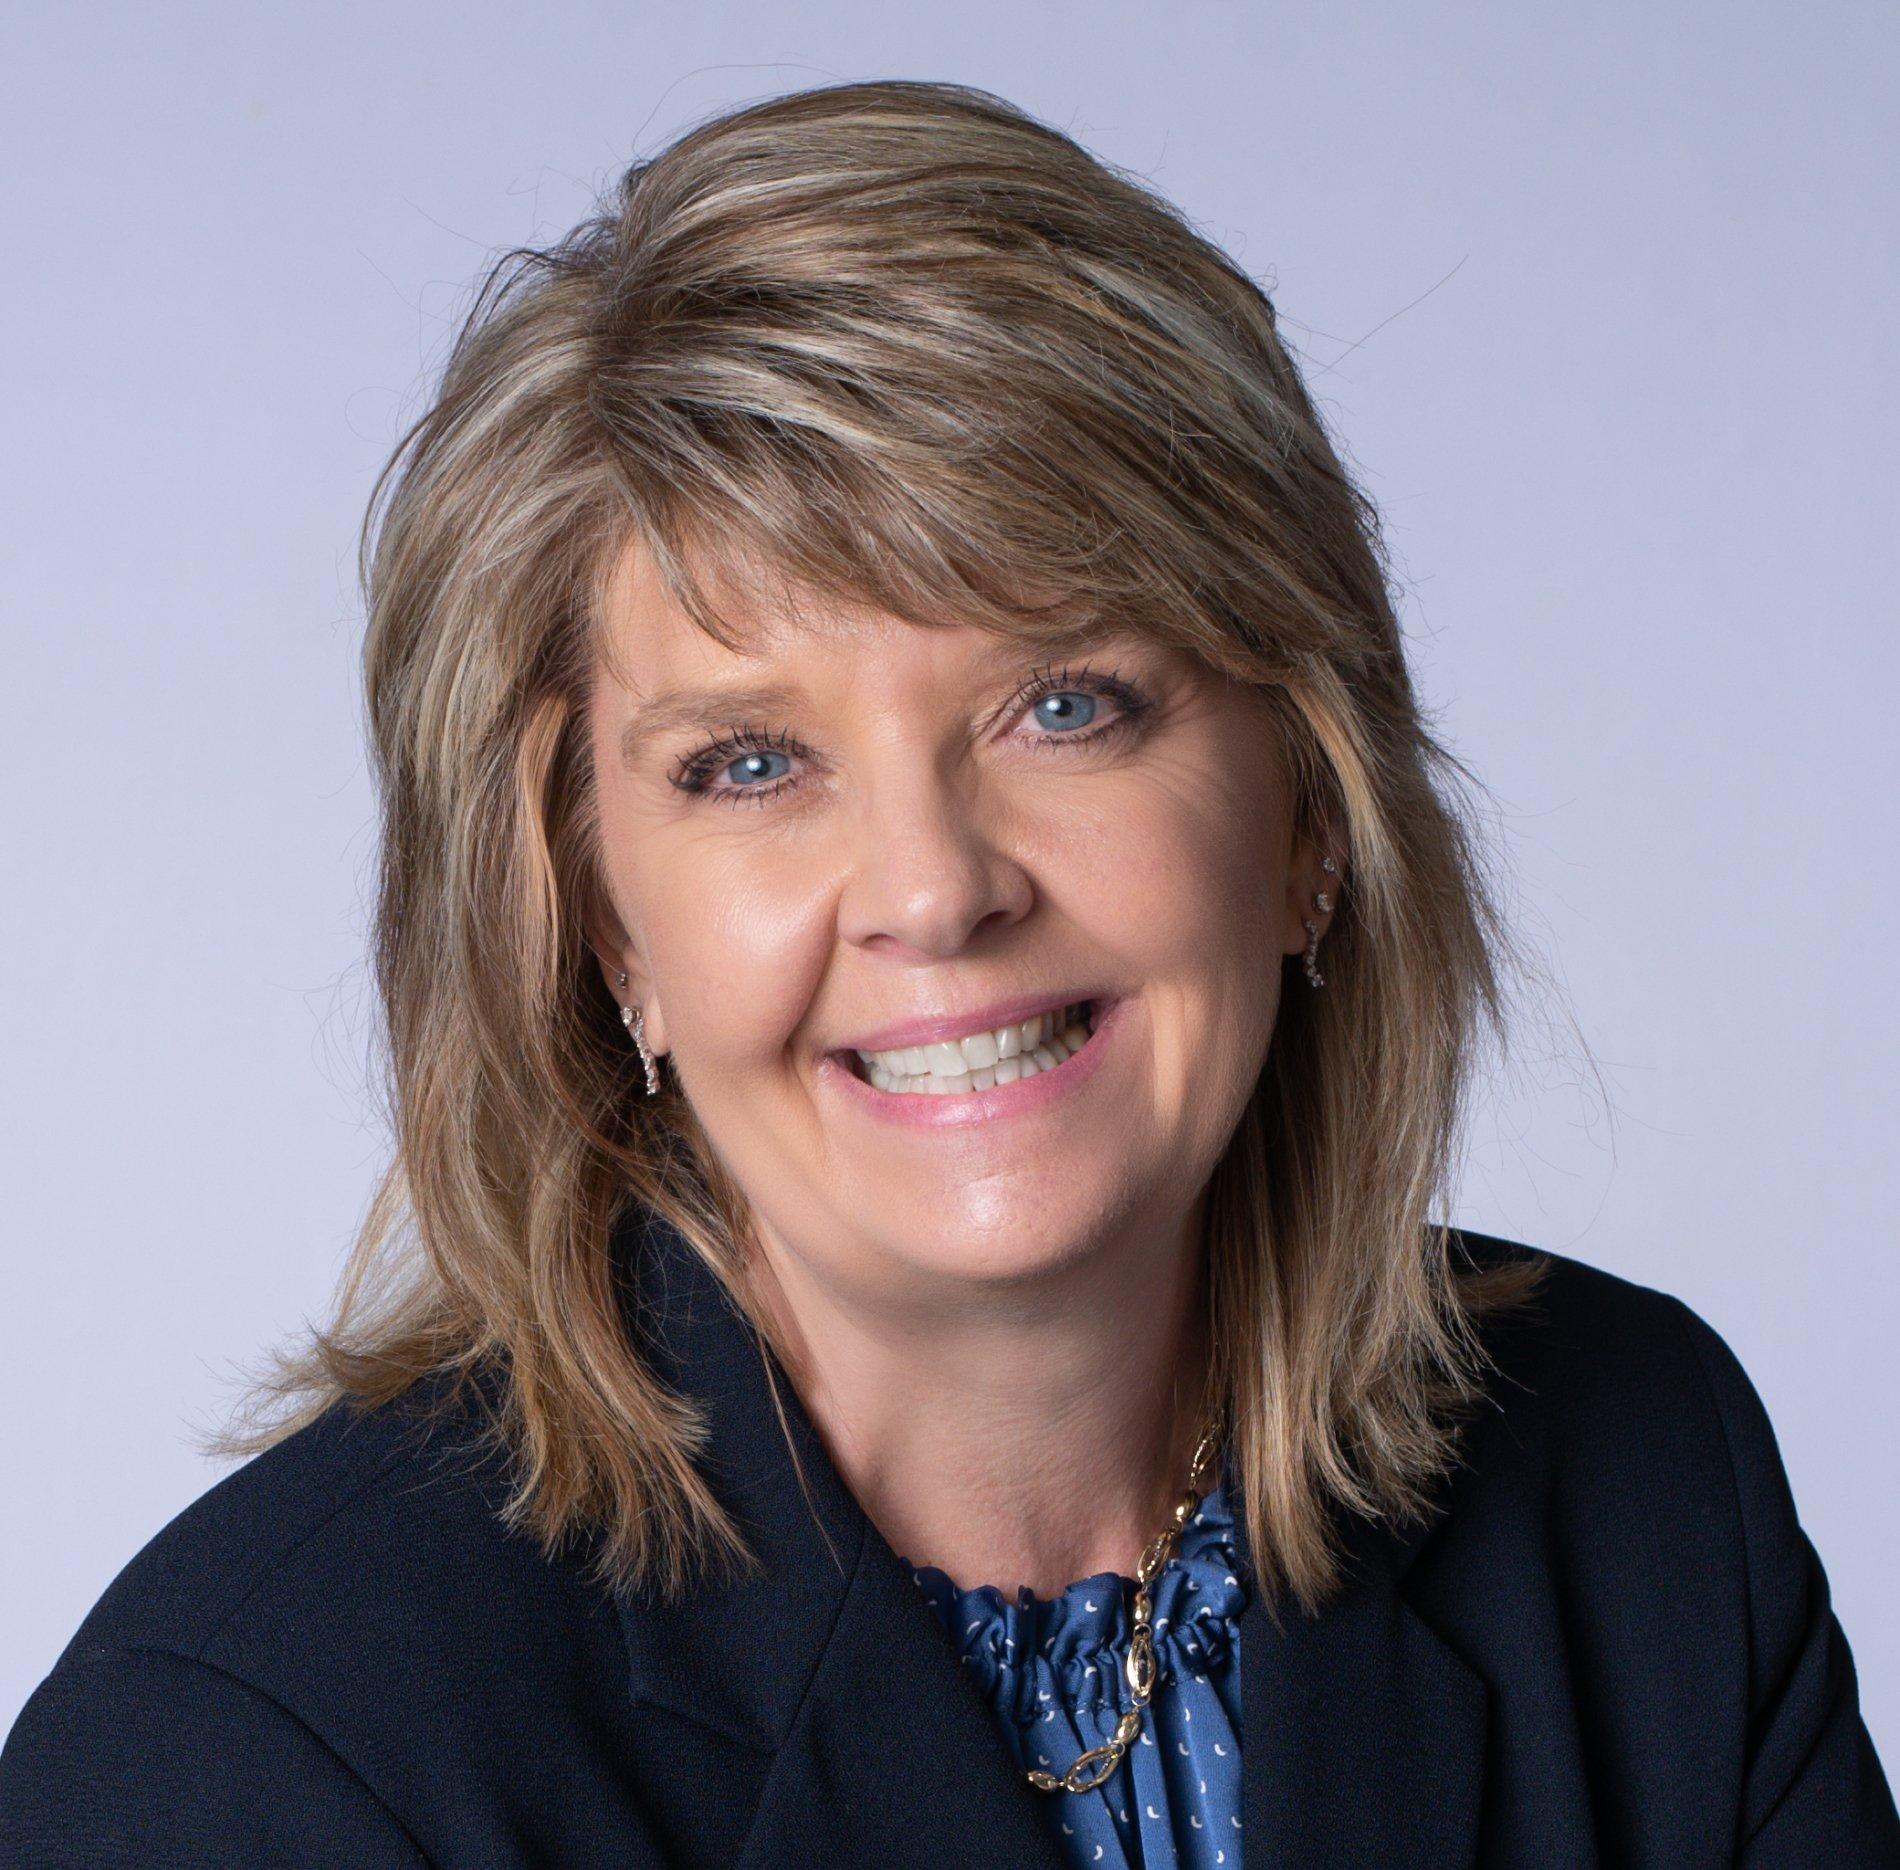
(1068,697)
(1064,702)
(752,763)
(747,747)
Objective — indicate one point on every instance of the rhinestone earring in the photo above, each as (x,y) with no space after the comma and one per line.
(1324,904)
(636,1023)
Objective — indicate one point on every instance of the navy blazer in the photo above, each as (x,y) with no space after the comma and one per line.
(1612,1645)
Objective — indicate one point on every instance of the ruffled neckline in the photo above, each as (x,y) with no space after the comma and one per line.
(1070,1647)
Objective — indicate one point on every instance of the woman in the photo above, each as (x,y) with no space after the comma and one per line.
(930,967)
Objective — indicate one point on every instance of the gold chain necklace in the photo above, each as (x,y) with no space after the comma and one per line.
(1098,1764)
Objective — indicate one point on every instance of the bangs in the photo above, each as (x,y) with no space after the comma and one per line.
(956,446)
(767,524)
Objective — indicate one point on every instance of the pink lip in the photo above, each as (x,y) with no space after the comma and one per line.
(960,1025)
(925,1110)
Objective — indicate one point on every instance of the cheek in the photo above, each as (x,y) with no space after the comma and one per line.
(1175,885)
(738,949)
(1171,877)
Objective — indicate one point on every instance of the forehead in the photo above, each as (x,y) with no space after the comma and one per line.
(648,639)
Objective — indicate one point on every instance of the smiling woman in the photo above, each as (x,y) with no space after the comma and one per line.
(873,618)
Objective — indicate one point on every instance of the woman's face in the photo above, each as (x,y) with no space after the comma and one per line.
(938,827)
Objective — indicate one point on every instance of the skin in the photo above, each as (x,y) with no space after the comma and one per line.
(995,1328)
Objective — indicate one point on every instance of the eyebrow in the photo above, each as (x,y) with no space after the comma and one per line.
(704,707)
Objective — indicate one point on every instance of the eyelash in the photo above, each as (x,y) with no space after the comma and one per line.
(694,772)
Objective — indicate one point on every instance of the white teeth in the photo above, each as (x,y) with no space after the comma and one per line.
(981,1059)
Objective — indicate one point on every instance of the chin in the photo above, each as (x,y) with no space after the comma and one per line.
(983,1250)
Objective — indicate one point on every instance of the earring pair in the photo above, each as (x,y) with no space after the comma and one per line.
(1324,904)
(636,1023)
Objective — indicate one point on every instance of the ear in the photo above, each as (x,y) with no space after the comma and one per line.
(623,970)
(1307,880)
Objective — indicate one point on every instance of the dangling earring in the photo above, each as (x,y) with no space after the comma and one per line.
(636,1023)
(1324,905)
(1312,955)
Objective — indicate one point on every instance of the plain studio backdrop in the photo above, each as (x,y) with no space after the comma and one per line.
(1599,303)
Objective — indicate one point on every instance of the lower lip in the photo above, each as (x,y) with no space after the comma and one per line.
(927,1110)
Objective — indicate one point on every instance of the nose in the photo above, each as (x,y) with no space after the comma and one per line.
(927,870)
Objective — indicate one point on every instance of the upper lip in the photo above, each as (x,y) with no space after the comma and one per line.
(934,1029)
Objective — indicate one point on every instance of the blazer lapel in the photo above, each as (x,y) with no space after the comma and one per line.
(883,1754)
(1362,1737)
(1362,1733)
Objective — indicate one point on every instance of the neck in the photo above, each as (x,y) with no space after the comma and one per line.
(1027,1436)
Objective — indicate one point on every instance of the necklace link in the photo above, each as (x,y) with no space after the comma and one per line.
(1141,1666)
(1096,1766)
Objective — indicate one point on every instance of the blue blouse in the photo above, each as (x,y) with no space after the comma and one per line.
(1052,1674)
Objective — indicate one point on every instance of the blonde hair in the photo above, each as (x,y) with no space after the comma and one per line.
(900,344)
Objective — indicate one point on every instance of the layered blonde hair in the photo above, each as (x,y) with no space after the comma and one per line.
(900,344)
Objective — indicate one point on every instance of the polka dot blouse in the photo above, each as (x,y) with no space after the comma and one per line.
(1052,1675)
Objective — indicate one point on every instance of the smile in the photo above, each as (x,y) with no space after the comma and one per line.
(1001,1055)
(982,1077)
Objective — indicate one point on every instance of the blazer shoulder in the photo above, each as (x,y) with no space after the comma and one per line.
(188,1584)
(1627,1439)
(1617,1392)
(213,1707)
(1618,1408)
(357,1599)
(1587,1334)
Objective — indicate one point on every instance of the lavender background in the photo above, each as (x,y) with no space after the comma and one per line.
(1600,301)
